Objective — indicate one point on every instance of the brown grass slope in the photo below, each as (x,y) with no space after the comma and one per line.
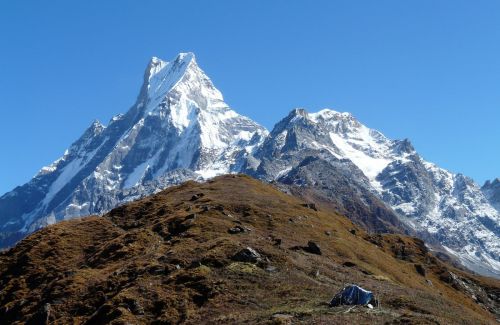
(169,259)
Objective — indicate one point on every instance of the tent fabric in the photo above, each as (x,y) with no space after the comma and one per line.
(352,295)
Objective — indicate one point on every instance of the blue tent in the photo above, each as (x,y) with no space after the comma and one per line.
(352,295)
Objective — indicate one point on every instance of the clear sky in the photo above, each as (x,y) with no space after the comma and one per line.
(421,69)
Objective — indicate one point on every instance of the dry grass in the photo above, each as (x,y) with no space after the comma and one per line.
(167,259)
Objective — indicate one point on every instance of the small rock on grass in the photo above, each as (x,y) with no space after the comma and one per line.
(236,230)
(248,255)
(196,196)
(282,318)
(311,206)
(313,248)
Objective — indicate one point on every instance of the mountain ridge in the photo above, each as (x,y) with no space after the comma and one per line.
(172,105)
(180,128)
(436,204)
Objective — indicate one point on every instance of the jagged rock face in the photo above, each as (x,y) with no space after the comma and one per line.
(179,129)
(491,190)
(300,154)
(332,183)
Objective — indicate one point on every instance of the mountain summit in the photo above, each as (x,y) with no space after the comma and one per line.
(180,128)
(443,208)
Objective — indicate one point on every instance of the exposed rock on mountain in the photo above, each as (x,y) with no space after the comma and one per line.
(331,184)
(491,190)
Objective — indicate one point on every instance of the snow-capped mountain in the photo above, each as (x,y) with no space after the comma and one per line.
(491,190)
(299,152)
(179,128)
(439,206)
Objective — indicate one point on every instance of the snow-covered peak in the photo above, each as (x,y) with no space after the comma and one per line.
(162,76)
(180,121)
(179,128)
(294,117)
(179,90)
(325,115)
(298,112)
(342,122)
(342,135)
(330,114)
(327,118)
(370,150)
(156,65)
(448,208)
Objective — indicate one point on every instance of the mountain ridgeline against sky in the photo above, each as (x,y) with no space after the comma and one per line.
(180,128)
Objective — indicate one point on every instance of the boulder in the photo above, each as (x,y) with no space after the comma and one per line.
(247,255)
(420,269)
(236,230)
(312,248)
(311,206)
(196,196)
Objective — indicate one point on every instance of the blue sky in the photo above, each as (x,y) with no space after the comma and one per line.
(425,70)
